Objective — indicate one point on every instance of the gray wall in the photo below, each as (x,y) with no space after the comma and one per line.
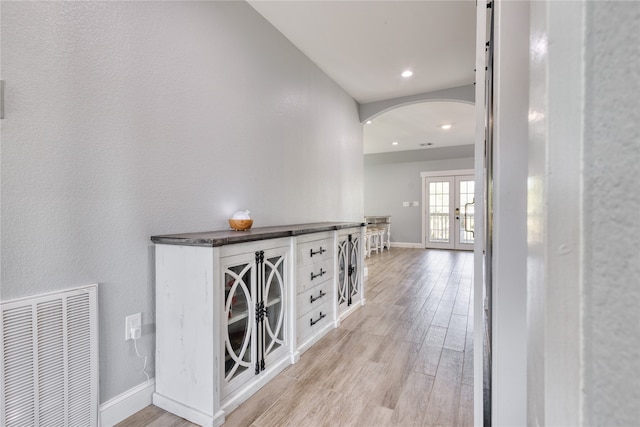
(611,206)
(129,119)
(393,178)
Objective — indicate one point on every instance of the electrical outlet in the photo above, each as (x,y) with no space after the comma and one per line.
(133,326)
(416,203)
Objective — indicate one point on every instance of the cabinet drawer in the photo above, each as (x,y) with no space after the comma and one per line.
(314,251)
(314,297)
(314,320)
(312,275)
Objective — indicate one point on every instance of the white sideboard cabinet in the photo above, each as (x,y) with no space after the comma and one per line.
(233,309)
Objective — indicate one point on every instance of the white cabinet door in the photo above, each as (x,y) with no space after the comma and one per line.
(239,328)
(272,296)
(349,278)
(254,331)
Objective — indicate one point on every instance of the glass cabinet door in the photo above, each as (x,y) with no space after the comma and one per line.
(343,271)
(254,322)
(273,327)
(354,277)
(348,270)
(240,324)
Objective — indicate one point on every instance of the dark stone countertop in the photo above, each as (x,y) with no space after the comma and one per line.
(229,237)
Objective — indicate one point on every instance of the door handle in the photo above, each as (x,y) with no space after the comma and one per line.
(466,207)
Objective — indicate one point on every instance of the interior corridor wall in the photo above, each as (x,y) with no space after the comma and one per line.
(129,119)
(611,205)
(391,179)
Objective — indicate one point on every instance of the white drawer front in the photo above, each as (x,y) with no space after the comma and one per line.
(314,320)
(314,297)
(317,250)
(304,238)
(312,275)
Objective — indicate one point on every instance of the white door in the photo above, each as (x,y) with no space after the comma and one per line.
(449,212)
(464,210)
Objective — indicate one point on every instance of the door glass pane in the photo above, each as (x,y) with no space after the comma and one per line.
(237,294)
(274,289)
(343,278)
(439,212)
(353,277)
(466,200)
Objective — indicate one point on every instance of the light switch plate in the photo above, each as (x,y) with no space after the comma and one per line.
(406,204)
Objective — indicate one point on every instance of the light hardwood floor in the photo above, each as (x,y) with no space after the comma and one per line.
(404,359)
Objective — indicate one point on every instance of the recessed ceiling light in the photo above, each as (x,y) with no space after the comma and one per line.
(368,122)
(407,73)
(394,143)
(445,127)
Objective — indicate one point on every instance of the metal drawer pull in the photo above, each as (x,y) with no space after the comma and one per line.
(321,251)
(313,276)
(313,322)
(312,299)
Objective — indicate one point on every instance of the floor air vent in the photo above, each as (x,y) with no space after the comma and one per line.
(49,350)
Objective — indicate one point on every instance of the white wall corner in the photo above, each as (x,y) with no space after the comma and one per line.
(126,404)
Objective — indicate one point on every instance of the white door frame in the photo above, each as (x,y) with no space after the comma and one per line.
(431,174)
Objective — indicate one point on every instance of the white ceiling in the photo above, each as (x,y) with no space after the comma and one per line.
(416,124)
(365,45)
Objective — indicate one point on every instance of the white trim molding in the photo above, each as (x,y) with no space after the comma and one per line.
(407,245)
(448,173)
(508,234)
(126,404)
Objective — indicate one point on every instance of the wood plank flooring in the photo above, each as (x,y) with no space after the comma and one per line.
(404,359)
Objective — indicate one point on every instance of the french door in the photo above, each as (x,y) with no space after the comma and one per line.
(448,214)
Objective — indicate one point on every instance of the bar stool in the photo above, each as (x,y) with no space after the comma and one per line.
(373,240)
(367,243)
(381,233)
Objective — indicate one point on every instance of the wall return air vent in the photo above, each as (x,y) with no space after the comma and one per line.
(49,351)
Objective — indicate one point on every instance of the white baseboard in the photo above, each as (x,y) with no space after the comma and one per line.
(407,245)
(126,404)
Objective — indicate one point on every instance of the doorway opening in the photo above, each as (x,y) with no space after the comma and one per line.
(448,199)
